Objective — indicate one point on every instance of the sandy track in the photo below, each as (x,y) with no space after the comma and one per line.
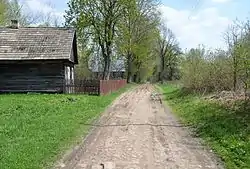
(139,133)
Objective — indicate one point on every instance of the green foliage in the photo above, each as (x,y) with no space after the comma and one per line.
(96,23)
(3,7)
(143,53)
(14,10)
(123,28)
(128,29)
(36,128)
(168,53)
(242,51)
(138,27)
(224,129)
(82,69)
(206,71)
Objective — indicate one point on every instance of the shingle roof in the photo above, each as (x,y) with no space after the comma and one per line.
(36,43)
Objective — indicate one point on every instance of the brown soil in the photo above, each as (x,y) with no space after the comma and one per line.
(138,132)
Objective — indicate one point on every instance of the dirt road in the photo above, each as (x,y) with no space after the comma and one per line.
(139,133)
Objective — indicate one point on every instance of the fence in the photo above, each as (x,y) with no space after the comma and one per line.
(94,87)
(82,87)
(108,86)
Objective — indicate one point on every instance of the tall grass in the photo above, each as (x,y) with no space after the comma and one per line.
(226,130)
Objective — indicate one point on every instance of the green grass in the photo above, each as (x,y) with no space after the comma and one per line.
(35,129)
(225,130)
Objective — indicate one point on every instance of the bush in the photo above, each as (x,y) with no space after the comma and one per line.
(203,72)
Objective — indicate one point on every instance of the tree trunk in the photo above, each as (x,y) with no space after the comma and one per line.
(106,71)
(135,77)
(235,80)
(235,73)
(139,77)
(170,73)
(162,69)
(129,73)
(107,61)
(159,76)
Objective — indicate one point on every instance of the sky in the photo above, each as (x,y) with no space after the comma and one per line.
(194,22)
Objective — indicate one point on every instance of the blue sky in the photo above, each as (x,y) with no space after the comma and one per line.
(193,21)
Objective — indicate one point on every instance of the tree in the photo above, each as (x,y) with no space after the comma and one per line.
(243,51)
(13,10)
(97,21)
(143,55)
(138,23)
(172,62)
(232,37)
(48,18)
(3,7)
(192,68)
(126,27)
(168,49)
(82,69)
(204,70)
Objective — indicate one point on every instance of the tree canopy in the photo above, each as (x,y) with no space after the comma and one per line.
(119,29)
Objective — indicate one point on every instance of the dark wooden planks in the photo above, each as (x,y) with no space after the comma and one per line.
(28,77)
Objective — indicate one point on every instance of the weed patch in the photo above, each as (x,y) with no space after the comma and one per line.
(226,130)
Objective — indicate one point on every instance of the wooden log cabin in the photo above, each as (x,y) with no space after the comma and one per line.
(37,59)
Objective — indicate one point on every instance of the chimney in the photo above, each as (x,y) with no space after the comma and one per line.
(14,24)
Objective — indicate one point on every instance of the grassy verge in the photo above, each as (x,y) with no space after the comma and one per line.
(35,129)
(225,130)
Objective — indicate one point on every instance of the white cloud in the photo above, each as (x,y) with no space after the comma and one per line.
(44,7)
(205,27)
(39,5)
(220,1)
